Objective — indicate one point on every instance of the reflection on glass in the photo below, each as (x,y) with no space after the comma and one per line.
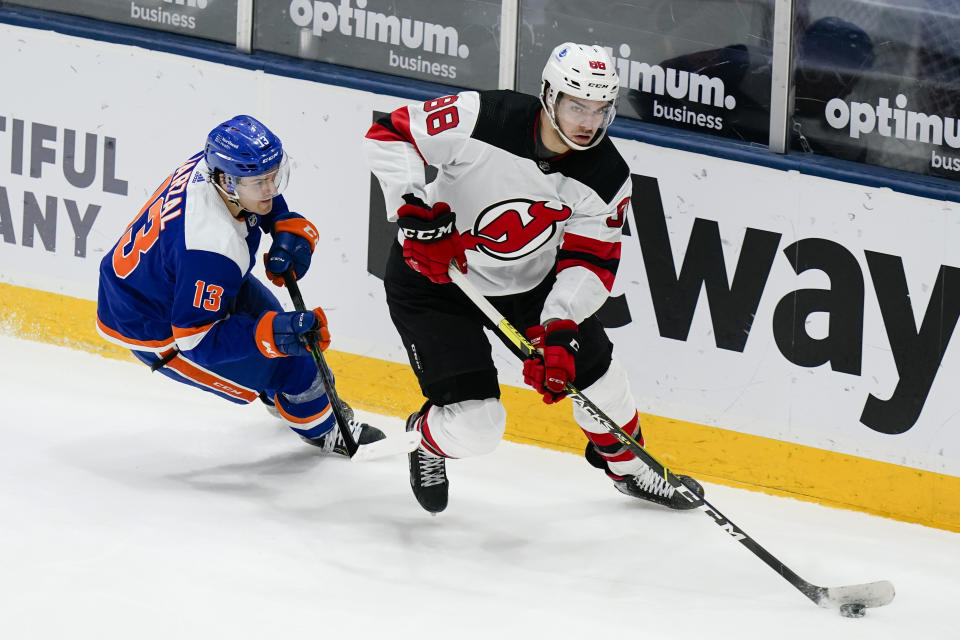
(701,65)
(455,42)
(879,82)
(210,19)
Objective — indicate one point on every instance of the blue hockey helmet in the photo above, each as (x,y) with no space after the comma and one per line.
(243,147)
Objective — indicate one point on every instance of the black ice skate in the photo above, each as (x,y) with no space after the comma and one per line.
(428,474)
(651,486)
(647,485)
(332,441)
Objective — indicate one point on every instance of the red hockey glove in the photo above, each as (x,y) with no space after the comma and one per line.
(291,333)
(550,373)
(294,240)
(431,239)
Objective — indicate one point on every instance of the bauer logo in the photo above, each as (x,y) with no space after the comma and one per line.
(268,349)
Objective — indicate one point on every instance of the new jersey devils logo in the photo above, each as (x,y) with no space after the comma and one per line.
(514,228)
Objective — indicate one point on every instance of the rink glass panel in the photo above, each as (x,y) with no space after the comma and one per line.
(699,65)
(452,42)
(879,83)
(210,19)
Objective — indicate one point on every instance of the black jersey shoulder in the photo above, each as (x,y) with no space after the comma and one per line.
(601,168)
(508,120)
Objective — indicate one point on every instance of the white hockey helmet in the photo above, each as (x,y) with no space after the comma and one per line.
(581,71)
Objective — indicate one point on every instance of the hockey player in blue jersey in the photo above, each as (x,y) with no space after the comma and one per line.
(177,288)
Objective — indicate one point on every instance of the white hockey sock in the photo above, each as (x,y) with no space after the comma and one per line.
(464,429)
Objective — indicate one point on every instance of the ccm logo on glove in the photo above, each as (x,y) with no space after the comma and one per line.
(431,239)
(428,232)
(553,367)
(294,240)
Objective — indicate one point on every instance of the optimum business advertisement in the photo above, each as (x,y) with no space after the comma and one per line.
(449,43)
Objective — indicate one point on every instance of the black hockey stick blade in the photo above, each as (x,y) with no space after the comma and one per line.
(873,594)
(389,446)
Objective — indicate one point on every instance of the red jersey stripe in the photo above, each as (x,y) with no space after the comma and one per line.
(383,134)
(401,122)
(606,277)
(598,256)
(599,248)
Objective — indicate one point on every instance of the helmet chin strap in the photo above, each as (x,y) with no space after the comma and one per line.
(233,199)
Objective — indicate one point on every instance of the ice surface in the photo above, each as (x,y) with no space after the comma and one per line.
(134,507)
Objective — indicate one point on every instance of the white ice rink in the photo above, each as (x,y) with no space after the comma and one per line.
(133,507)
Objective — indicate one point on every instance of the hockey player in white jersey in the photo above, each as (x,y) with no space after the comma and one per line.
(529,202)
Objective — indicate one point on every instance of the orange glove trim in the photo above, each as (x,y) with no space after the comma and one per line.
(323,329)
(301,227)
(263,336)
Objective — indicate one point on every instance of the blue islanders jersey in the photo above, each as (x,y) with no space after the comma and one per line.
(173,276)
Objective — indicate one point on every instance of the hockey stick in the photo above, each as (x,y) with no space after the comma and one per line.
(341,411)
(872,594)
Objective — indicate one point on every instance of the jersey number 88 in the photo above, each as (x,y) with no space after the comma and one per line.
(446,118)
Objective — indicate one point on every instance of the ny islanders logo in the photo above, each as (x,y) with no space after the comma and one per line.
(512,229)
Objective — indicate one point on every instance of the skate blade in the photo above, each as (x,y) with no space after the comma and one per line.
(390,446)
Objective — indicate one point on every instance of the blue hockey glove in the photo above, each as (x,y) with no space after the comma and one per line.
(293,243)
(290,333)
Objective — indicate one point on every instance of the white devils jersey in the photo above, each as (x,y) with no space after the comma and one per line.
(519,216)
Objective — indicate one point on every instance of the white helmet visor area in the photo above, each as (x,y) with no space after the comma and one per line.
(588,113)
(571,116)
(580,72)
(264,186)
